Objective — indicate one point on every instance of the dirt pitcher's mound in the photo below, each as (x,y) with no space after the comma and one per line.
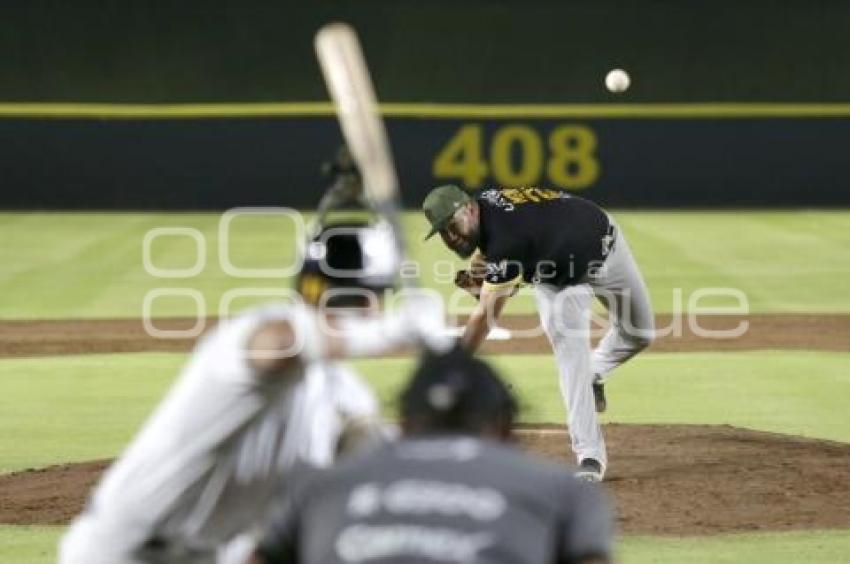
(666,479)
(694,479)
(50,496)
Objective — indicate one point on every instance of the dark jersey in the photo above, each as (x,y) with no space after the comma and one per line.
(540,235)
(441,500)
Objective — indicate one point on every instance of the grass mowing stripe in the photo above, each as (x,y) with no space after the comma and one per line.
(86,407)
(28,545)
(62,265)
(811,547)
(38,545)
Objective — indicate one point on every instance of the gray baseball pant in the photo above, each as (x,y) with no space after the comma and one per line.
(565,315)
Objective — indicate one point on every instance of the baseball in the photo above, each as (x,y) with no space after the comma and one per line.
(617,80)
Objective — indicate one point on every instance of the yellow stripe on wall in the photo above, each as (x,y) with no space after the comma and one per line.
(162,111)
(423,110)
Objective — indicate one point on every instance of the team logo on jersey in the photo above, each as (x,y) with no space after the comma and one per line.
(509,198)
(422,497)
(496,198)
(495,270)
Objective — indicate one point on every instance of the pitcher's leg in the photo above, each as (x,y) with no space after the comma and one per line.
(622,289)
(565,317)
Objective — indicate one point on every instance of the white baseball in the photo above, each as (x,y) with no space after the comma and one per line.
(617,80)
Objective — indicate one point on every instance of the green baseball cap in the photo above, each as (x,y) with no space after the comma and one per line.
(440,205)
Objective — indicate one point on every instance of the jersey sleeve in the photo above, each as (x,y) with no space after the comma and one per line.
(588,527)
(354,399)
(501,274)
(334,403)
(224,350)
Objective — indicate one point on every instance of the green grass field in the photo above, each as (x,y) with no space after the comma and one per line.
(85,407)
(59,409)
(75,408)
(32,545)
(90,265)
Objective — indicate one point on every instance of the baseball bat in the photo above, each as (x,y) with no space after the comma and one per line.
(350,86)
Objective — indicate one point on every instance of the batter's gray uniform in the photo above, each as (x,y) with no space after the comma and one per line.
(442,499)
(208,461)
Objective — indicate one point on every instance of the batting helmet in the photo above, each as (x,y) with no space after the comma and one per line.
(352,258)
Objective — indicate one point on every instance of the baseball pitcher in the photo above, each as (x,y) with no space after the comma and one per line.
(570,250)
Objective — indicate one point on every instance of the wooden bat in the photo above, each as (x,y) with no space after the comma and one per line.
(350,86)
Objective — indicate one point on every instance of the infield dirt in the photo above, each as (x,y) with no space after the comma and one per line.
(765,331)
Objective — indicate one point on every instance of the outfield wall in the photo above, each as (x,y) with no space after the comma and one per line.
(216,157)
(478,51)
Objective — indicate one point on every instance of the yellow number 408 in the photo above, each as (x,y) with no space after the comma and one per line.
(571,161)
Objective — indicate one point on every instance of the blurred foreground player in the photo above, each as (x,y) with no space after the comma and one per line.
(571,251)
(258,396)
(450,490)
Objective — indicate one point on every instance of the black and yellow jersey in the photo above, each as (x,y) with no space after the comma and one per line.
(539,235)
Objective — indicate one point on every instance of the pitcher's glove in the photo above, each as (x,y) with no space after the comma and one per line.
(466,280)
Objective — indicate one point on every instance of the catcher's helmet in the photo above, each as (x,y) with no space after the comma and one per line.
(352,258)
